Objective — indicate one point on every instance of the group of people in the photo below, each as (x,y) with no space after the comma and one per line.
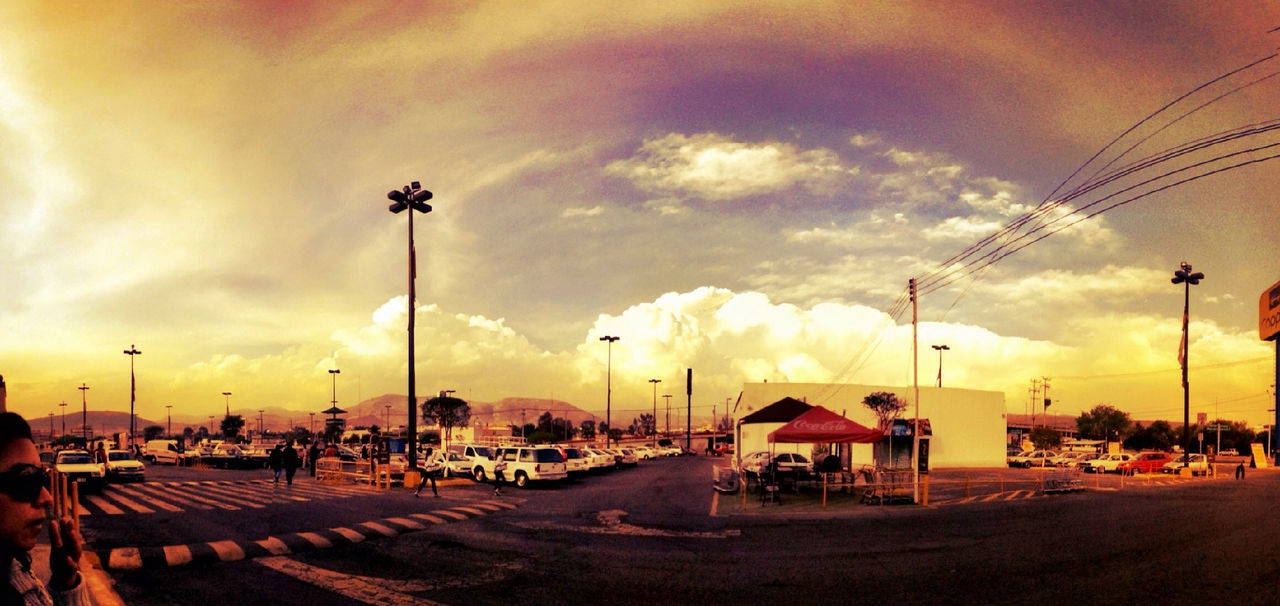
(433,468)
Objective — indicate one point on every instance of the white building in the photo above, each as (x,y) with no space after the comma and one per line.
(969,428)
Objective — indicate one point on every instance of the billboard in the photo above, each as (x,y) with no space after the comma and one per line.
(1269,313)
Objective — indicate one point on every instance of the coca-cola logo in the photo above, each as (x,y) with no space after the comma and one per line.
(823,426)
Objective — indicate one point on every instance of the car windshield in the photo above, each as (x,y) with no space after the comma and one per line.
(483,451)
(118,456)
(74,458)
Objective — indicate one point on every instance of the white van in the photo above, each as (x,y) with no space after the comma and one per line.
(167,452)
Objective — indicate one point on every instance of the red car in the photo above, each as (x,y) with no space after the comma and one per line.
(1147,462)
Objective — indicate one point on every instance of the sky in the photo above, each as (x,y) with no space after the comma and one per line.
(740,188)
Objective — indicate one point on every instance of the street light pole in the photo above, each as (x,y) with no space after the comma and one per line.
(1188,279)
(259,423)
(227,398)
(170,409)
(133,388)
(84,414)
(64,417)
(608,397)
(313,425)
(940,348)
(667,397)
(655,410)
(411,198)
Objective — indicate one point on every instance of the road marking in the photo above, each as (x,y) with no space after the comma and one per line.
(452,514)
(102,504)
(428,517)
(362,589)
(177,555)
(127,502)
(228,551)
(138,494)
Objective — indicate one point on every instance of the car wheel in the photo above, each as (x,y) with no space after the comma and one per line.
(479,474)
(522,480)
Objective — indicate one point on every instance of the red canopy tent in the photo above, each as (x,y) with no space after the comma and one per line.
(821,426)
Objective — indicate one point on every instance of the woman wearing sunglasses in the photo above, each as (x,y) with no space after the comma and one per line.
(24,503)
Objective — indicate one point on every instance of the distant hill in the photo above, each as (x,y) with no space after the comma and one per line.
(372,411)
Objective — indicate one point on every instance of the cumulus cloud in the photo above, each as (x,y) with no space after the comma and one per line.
(716,167)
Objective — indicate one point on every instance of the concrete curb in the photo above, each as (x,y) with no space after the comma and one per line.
(133,558)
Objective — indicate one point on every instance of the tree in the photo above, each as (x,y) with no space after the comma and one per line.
(1044,438)
(1158,436)
(152,432)
(646,424)
(1103,422)
(231,426)
(447,412)
(886,407)
(587,429)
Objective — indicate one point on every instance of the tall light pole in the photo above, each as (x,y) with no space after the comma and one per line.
(313,425)
(411,198)
(388,427)
(259,423)
(84,414)
(227,397)
(170,410)
(210,426)
(1185,277)
(64,417)
(608,394)
(50,427)
(333,373)
(655,410)
(667,397)
(133,389)
(940,348)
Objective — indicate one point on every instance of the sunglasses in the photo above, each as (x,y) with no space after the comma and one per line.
(23,482)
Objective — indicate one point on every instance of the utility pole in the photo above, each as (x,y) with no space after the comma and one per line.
(667,397)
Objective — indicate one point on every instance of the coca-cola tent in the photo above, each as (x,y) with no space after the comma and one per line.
(821,426)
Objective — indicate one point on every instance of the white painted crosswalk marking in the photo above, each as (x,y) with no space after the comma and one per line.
(177,496)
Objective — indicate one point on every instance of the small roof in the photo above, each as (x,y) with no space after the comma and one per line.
(334,411)
(781,411)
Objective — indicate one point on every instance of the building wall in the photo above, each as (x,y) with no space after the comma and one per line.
(969,428)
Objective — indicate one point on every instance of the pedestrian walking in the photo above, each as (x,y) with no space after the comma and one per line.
(499,466)
(275,459)
(24,500)
(100,454)
(313,453)
(1240,471)
(430,469)
(291,462)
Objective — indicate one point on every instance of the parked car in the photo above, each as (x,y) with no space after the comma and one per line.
(79,466)
(452,464)
(479,458)
(599,460)
(1145,462)
(624,457)
(1065,459)
(576,463)
(169,452)
(1084,459)
(1108,462)
(644,453)
(122,467)
(1034,458)
(1199,465)
(757,463)
(527,464)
